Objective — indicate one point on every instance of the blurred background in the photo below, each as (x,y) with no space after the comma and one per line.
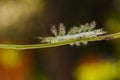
(23,20)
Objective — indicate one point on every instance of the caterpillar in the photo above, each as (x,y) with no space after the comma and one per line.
(83,31)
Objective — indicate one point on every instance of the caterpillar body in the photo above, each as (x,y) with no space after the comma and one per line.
(84,31)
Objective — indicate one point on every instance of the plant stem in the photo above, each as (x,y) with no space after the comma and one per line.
(36,46)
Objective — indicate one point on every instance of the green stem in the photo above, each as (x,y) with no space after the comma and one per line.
(36,46)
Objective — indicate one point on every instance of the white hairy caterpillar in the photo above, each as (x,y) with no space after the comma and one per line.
(83,31)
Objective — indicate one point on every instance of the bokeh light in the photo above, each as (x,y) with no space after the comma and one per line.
(10,58)
(99,70)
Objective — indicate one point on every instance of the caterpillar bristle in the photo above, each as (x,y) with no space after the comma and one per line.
(99,31)
(82,28)
(72,44)
(86,27)
(84,42)
(77,43)
(73,30)
(54,30)
(92,25)
(62,30)
(79,30)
